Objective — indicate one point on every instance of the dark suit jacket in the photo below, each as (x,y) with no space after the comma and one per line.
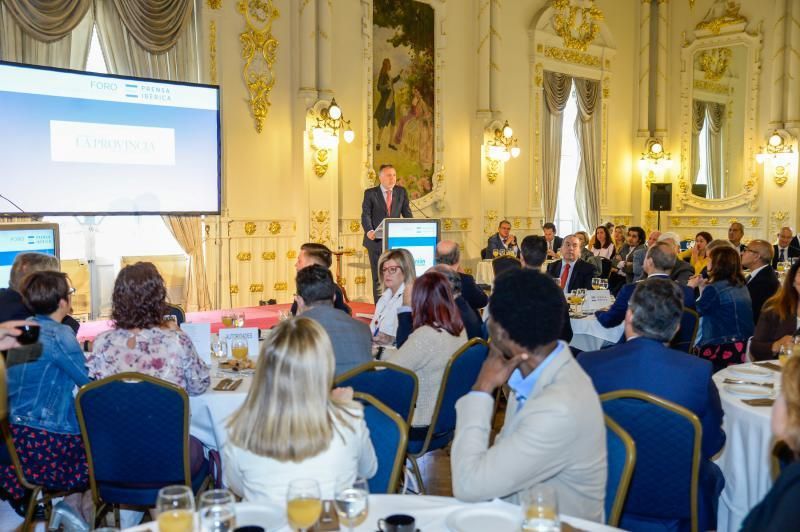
(791,252)
(581,276)
(762,287)
(616,313)
(557,241)
(12,308)
(351,338)
(495,243)
(681,272)
(769,329)
(338,302)
(373,208)
(476,297)
(780,509)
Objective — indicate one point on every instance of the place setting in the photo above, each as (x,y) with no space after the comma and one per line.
(753,384)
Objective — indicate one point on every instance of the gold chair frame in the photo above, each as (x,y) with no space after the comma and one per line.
(379,365)
(627,470)
(698,437)
(397,468)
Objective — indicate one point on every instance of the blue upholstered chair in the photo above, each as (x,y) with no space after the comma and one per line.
(459,375)
(664,486)
(621,461)
(684,338)
(392,385)
(136,432)
(504,263)
(389,435)
(177,311)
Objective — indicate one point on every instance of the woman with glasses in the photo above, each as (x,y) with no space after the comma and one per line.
(396,270)
(778,322)
(41,407)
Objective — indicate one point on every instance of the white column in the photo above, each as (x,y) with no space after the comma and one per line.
(494,56)
(661,71)
(792,52)
(644,68)
(308,52)
(324,56)
(778,72)
(484,59)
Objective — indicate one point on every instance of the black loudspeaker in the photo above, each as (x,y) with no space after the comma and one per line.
(661,197)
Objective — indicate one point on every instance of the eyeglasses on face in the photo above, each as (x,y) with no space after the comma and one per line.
(71,291)
(391,269)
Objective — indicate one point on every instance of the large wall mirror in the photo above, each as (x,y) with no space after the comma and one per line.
(719,96)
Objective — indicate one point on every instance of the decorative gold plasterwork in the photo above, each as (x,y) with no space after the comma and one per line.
(234,289)
(714,62)
(250,228)
(468,271)
(753,222)
(539,74)
(291,254)
(274,228)
(360,279)
(212,49)
(713,220)
(576,36)
(355,225)
(730,17)
(733,221)
(492,170)
(280,286)
(268,255)
(711,86)
(606,87)
(529,223)
(464,224)
(517,223)
(780,175)
(778,219)
(259,50)
(257,287)
(214,4)
(320,227)
(321,162)
(570,56)
(244,256)
(447,223)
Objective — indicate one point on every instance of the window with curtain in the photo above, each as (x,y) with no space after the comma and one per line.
(567,220)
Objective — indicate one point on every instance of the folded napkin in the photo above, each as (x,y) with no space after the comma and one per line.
(769,365)
(759,402)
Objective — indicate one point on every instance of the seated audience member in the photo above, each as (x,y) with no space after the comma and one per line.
(636,239)
(698,254)
(351,339)
(140,341)
(762,282)
(735,235)
(619,239)
(554,242)
(638,256)
(658,262)
(644,363)
(583,243)
(11,305)
(9,333)
(780,508)
(726,312)
(396,270)
(573,272)
(602,245)
(534,252)
(449,254)
(682,271)
(291,426)
(40,397)
(502,242)
(553,431)
(786,248)
(438,333)
(778,323)
(319,254)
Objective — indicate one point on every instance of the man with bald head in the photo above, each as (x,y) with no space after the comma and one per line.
(762,283)
(639,254)
(786,248)
(449,254)
(682,271)
(735,235)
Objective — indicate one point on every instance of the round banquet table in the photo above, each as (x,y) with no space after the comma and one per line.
(430,513)
(211,409)
(745,458)
(589,335)
(484,273)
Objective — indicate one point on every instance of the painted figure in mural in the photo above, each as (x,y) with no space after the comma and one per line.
(385,112)
(417,128)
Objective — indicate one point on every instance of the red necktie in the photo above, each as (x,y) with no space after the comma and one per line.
(564,275)
(389,203)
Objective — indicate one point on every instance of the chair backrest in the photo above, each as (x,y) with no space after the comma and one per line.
(389,435)
(459,375)
(621,462)
(394,386)
(135,429)
(684,338)
(177,311)
(667,438)
(504,263)
(485,254)
(605,267)
(8,453)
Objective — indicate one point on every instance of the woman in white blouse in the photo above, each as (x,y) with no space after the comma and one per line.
(291,426)
(602,245)
(396,267)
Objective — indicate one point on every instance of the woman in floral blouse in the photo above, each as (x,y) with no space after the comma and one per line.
(140,341)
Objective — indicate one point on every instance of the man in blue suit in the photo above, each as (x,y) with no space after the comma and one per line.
(645,363)
(658,262)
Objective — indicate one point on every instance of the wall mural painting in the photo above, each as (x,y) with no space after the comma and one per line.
(403,91)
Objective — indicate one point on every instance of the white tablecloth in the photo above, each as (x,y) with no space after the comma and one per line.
(589,335)
(430,513)
(745,459)
(484,273)
(211,409)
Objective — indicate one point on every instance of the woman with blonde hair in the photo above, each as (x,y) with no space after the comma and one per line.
(291,426)
(780,509)
(396,267)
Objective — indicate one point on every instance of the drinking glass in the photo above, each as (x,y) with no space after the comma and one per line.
(495,253)
(227,319)
(596,283)
(603,284)
(217,513)
(785,352)
(170,320)
(219,350)
(352,501)
(541,509)
(238,319)
(303,504)
(283,315)
(239,349)
(175,507)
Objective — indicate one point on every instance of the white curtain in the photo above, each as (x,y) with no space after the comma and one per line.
(587,131)
(715,113)
(556,93)
(698,117)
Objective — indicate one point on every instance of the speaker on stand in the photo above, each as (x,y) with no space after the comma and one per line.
(660,199)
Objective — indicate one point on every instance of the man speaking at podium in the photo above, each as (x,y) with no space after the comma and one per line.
(383,201)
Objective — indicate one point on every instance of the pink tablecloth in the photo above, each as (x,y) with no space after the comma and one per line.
(261,317)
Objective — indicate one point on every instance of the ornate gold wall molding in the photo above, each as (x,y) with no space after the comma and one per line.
(256,288)
(571,56)
(714,62)
(212,50)
(259,50)
(320,231)
(715,21)
(274,228)
(250,228)
(711,86)
(244,256)
(698,222)
(576,25)
(214,4)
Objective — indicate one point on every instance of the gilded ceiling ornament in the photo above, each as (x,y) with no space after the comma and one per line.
(274,228)
(714,63)
(259,50)
(249,228)
(577,26)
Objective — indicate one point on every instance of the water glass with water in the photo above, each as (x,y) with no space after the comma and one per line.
(217,513)
(352,501)
(540,505)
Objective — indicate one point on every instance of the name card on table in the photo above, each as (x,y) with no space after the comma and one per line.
(596,299)
(250,334)
(200,335)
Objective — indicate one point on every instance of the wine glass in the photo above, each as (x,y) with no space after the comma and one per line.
(217,513)
(352,501)
(603,284)
(495,253)
(540,505)
(175,507)
(227,319)
(238,319)
(303,504)
(239,348)
(596,283)
(219,350)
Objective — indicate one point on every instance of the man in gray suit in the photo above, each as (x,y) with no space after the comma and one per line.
(553,431)
(351,339)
